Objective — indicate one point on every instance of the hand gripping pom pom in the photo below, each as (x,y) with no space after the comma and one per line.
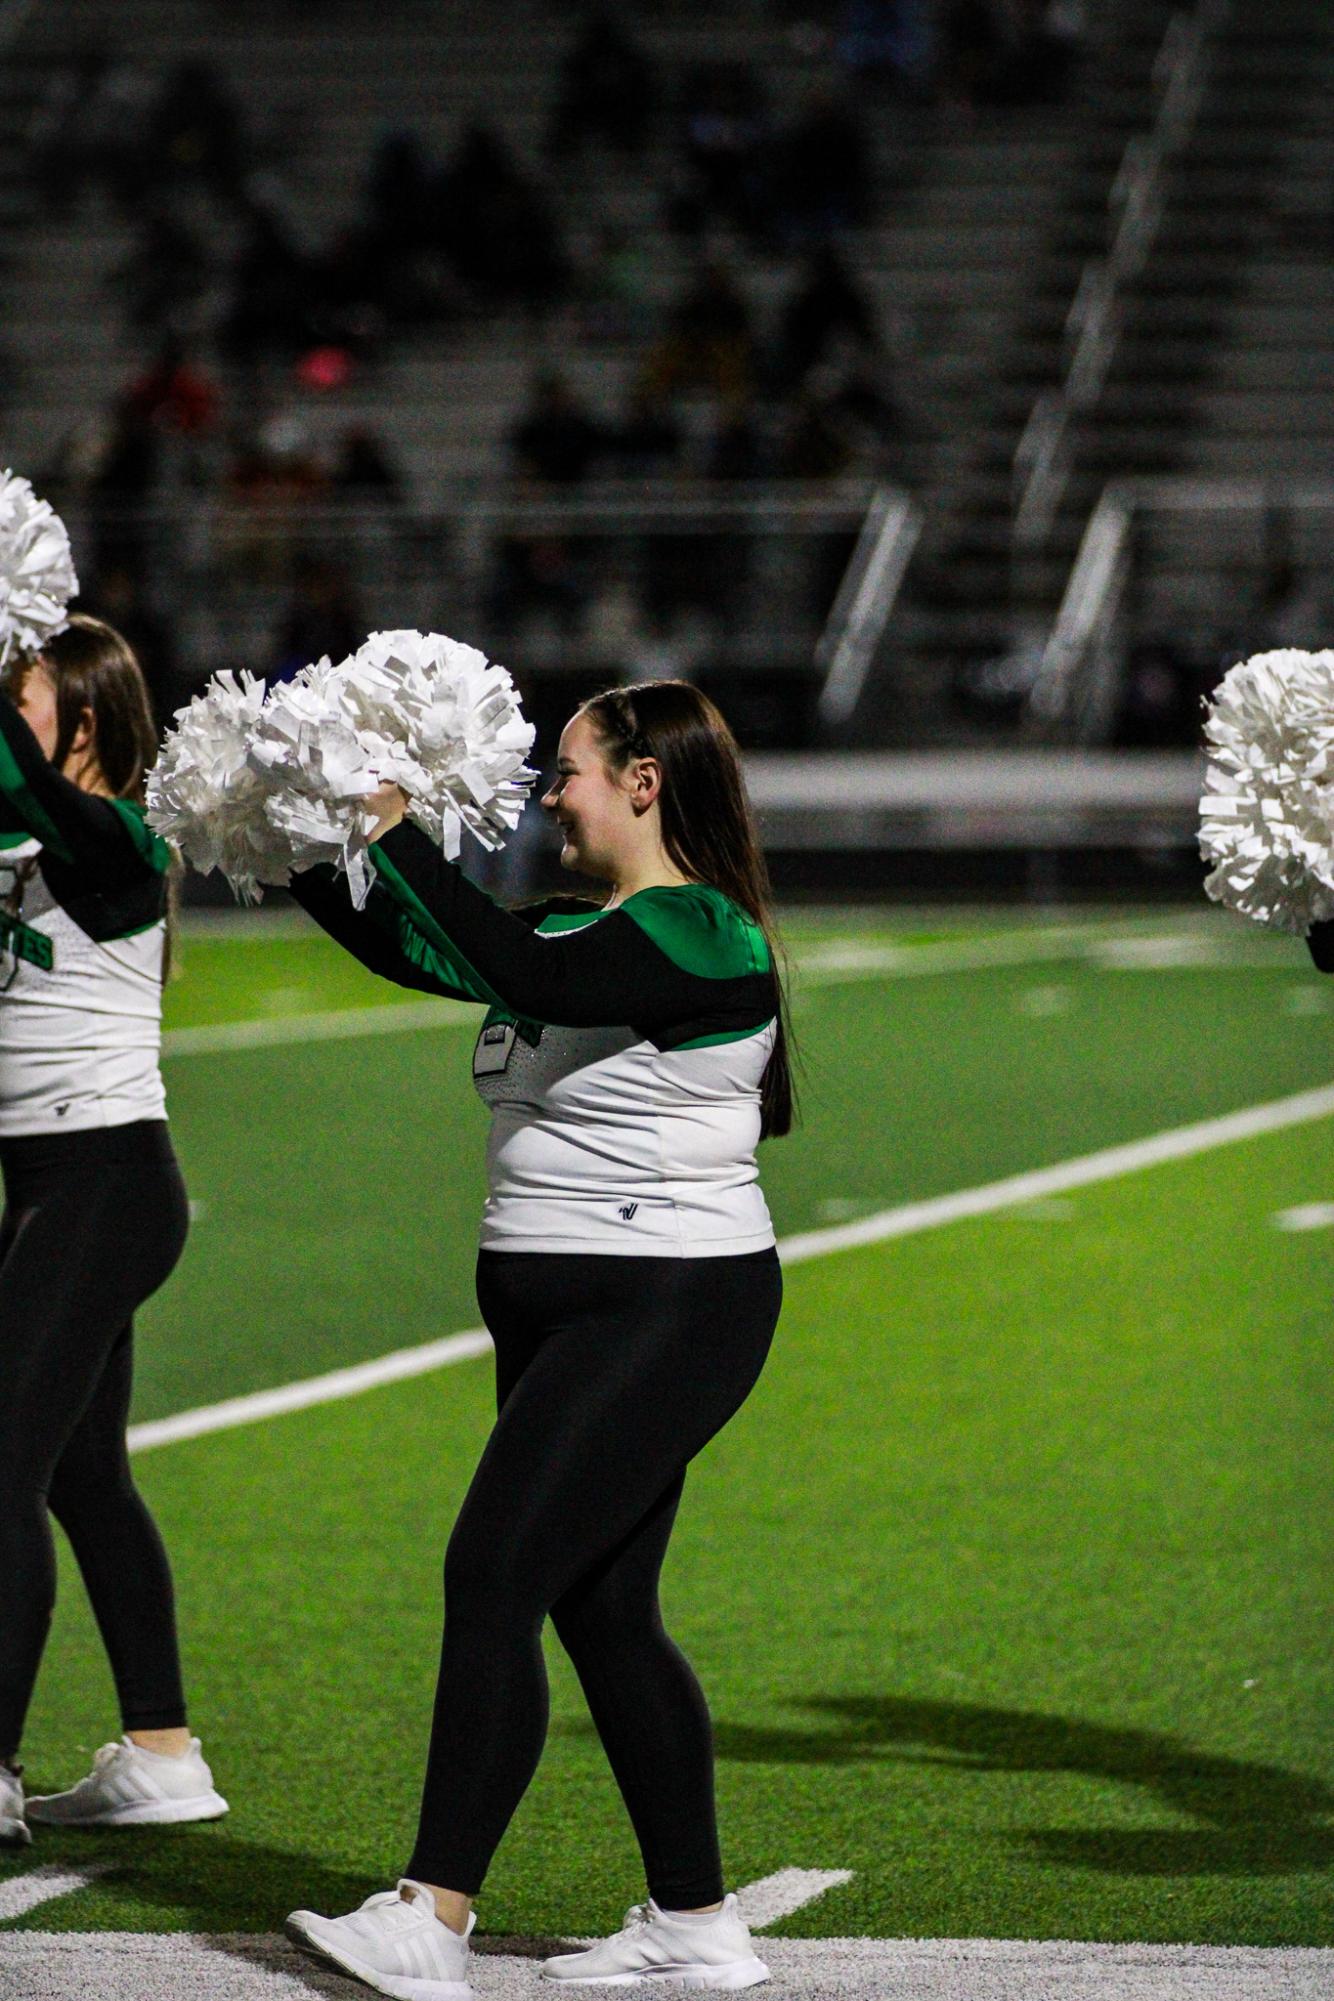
(261,785)
(454,733)
(37,577)
(1267,815)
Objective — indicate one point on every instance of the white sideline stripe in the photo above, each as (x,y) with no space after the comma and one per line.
(770,1898)
(248,1966)
(835,964)
(339,1383)
(39,1886)
(272,1031)
(905,1221)
(1177,1144)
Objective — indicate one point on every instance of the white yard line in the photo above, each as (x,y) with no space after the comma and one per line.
(907,1220)
(1177,1144)
(239,1966)
(331,1388)
(770,1898)
(28,1892)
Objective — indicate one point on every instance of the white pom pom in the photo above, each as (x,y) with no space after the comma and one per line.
(261,784)
(206,796)
(1267,815)
(455,736)
(37,577)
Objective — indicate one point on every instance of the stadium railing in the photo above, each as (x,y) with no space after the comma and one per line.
(789,580)
(1204,570)
(1045,455)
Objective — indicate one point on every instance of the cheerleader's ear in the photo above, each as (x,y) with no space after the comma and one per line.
(643,779)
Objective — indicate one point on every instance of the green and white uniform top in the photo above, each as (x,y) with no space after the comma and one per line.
(82,930)
(621,1054)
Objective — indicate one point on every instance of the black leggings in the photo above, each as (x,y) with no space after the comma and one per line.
(93,1223)
(611,1373)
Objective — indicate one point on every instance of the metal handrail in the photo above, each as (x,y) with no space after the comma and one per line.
(1044,456)
(1074,687)
(865,601)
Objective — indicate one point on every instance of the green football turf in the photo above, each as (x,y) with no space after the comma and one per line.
(1009,1587)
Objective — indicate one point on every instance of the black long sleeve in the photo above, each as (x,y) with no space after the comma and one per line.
(1320,939)
(103,845)
(611,972)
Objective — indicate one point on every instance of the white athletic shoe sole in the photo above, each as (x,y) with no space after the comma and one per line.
(737,1973)
(304,1930)
(137,1813)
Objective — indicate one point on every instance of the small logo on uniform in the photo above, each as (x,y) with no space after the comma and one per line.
(627,1211)
(62,1109)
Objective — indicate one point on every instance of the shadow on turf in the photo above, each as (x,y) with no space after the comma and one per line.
(1260,1820)
(211,1880)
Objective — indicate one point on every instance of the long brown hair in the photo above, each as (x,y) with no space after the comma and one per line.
(708,828)
(95,670)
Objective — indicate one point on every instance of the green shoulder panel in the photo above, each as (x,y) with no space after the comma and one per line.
(701,931)
(152,848)
(22,806)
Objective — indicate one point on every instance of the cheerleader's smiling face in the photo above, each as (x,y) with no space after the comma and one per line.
(596,807)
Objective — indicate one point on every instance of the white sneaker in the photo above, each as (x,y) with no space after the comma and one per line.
(14,1829)
(713,1951)
(396,1944)
(131,1787)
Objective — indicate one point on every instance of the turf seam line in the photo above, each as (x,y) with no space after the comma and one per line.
(1179,1143)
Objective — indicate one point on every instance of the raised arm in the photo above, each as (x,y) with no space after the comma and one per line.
(106,843)
(667,961)
(383,937)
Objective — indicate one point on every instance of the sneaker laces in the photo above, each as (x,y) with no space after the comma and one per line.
(107,1755)
(637,1919)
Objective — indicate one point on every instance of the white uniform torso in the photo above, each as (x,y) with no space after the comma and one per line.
(600,1142)
(80,1022)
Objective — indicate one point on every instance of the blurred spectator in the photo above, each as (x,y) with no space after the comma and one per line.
(888,41)
(269,312)
(90,128)
(646,442)
(709,343)
(120,490)
(997,52)
(497,227)
(555,438)
(615,286)
(164,275)
(827,303)
(736,449)
(607,91)
(364,473)
(724,144)
(822,172)
(196,132)
(174,394)
(398,194)
(117,596)
(322,616)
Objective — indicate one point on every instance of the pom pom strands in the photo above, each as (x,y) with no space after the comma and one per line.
(37,577)
(204,796)
(261,785)
(1267,815)
(451,721)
